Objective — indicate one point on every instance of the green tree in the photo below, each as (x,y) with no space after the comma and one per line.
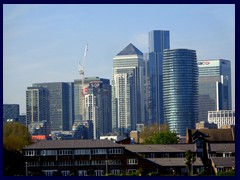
(15,137)
(158,135)
(166,137)
(189,160)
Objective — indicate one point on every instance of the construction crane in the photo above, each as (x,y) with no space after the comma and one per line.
(81,73)
(81,65)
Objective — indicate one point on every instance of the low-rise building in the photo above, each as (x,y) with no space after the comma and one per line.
(83,158)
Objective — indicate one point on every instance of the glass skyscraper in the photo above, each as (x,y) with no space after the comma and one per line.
(214,86)
(180,89)
(128,90)
(93,103)
(158,41)
(60,104)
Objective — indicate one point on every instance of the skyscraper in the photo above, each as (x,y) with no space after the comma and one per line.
(214,86)
(158,41)
(37,108)
(180,89)
(96,106)
(128,90)
(60,104)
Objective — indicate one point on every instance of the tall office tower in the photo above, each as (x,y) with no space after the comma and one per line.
(10,112)
(61,104)
(37,107)
(128,90)
(158,41)
(214,86)
(96,105)
(180,89)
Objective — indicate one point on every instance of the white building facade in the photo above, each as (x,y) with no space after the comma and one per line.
(223,117)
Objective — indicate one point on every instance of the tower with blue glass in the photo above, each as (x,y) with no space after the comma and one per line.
(180,89)
(158,41)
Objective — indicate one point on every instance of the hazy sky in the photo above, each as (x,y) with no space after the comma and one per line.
(44,43)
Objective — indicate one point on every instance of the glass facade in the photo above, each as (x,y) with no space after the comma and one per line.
(214,86)
(128,90)
(37,108)
(10,112)
(180,89)
(158,41)
(60,104)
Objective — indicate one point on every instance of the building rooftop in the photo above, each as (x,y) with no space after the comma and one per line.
(174,161)
(226,147)
(67,144)
(130,50)
(212,135)
(224,161)
(138,148)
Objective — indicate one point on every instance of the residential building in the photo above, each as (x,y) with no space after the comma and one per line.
(61,111)
(180,89)
(83,158)
(223,164)
(221,118)
(10,112)
(92,101)
(170,157)
(158,41)
(212,143)
(128,90)
(214,86)
(221,150)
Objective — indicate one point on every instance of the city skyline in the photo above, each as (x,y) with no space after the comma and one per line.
(44,43)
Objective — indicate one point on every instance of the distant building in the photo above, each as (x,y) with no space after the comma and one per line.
(158,41)
(61,135)
(61,105)
(214,86)
(180,89)
(113,137)
(83,130)
(93,102)
(140,126)
(222,118)
(22,119)
(135,136)
(128,90)
(37,109)
(205,125)
(10,112)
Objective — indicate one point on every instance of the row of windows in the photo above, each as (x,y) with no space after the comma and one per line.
(80,163)
(73,152)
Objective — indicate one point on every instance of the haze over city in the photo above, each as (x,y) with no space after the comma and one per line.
(44,43)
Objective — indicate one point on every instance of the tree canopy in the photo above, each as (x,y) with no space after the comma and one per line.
(158,135)
(15,136)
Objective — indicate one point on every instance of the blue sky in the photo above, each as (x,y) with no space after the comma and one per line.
(44,43)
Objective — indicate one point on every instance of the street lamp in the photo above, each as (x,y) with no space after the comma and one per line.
(26,168)
(106,167)
(192,166)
